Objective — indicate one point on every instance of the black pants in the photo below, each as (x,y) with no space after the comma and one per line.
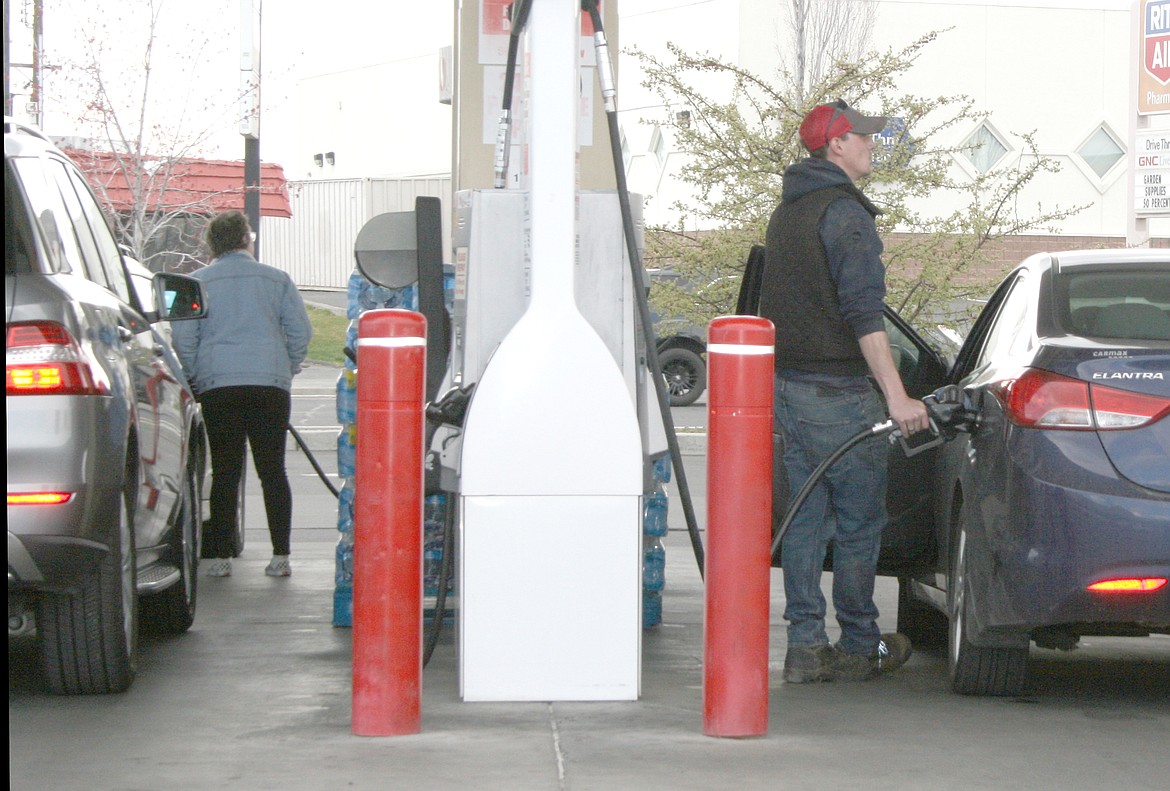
(259,415)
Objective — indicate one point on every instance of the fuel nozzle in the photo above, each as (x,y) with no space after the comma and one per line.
(951,410)
(451,408)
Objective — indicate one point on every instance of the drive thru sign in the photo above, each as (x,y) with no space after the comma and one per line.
(1151,172)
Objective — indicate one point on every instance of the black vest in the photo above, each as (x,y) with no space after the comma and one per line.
(798,294)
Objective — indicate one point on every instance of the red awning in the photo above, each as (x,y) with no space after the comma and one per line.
(190,186)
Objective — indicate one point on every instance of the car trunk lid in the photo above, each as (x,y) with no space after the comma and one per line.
(1130,393)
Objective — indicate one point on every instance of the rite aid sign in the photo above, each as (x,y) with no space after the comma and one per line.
(1151,171)
(1154,70)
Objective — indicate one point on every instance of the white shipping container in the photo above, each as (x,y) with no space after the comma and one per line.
(315,245)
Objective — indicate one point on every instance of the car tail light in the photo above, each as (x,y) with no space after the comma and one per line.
(39,498)
(42,358)
(1129,585)
(1042,399)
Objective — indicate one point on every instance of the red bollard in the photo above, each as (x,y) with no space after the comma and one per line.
(388,503)
(740,356)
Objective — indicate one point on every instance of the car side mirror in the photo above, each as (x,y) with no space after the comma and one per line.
(178,297)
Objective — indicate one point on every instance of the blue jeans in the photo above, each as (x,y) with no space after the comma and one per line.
(848,507)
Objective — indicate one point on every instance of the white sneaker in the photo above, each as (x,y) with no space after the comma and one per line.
(220,567)
(278,566)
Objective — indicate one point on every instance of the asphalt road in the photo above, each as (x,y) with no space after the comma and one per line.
(257,696)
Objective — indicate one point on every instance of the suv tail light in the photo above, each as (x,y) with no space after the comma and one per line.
(1042,399)
(42,358)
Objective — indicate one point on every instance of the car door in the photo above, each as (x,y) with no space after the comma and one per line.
(907,541)
(155,391)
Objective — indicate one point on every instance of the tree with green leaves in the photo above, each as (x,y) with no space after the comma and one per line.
(743,134)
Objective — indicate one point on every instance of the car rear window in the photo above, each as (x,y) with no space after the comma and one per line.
(1115,303)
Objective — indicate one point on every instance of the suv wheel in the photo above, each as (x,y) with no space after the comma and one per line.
(685,374)
(89,634)
(173,610)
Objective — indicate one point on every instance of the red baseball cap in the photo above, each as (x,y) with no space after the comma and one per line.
(827,121)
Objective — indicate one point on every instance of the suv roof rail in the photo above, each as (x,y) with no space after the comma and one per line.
(12,125)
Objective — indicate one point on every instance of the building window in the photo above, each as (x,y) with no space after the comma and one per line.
(1101,151)
(625,152)
(983,148)
(658,146)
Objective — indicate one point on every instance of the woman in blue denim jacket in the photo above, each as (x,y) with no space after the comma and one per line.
(240,361)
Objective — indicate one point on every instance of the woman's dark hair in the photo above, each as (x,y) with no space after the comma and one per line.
(228,231)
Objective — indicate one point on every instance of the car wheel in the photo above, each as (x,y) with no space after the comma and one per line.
(923,624)
(173,610)
(685,374)
(89,634)
(975,669)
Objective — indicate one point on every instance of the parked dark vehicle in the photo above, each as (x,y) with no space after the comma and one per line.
(1053,513)
(682,350)
(1049,519)
(105,447)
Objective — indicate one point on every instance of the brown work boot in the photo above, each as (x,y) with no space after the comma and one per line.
(806,664)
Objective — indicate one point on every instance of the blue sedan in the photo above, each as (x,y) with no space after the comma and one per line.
(1052,514)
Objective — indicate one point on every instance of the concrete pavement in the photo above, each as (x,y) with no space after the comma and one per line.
(257,696)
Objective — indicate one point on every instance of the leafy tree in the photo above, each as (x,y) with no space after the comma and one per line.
(743,133)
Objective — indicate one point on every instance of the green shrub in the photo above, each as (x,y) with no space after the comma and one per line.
(328,342)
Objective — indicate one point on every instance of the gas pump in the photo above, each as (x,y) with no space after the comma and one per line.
(537,435)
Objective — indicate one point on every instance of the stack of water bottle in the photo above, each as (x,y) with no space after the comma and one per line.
(362,295)
(653,553)
(434,526)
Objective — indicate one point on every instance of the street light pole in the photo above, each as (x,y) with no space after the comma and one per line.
(250,118)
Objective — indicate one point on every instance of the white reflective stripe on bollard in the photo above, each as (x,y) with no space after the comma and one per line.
(737,348)
(392,342)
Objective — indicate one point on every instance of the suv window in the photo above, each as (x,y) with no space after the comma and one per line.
(18,246)
(107,249)
(45,201)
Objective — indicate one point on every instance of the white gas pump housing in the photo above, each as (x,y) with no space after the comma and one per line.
(550,473)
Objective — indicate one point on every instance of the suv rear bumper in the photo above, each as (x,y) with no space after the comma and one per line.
(65,444)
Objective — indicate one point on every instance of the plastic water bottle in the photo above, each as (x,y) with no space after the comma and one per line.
(351,342)
(355,293)
(654,513)
(661,469)
(346,396)
(345,508)
(653,565)
(434,525)
(343,574)
(346,450)
(651,609)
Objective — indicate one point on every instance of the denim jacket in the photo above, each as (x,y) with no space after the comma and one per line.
(256,331)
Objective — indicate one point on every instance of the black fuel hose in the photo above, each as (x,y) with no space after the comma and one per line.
(608,93)
(802,495)
(313,461)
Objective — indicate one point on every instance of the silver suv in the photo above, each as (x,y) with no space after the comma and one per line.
(106,447)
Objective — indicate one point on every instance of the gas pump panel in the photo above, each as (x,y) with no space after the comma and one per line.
(491,275)
(591,535)
(491,293)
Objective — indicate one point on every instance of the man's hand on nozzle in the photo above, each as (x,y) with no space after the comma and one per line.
(911,416)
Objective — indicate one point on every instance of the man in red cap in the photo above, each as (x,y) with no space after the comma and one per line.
(823,287)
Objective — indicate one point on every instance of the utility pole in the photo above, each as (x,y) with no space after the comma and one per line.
(250,12)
